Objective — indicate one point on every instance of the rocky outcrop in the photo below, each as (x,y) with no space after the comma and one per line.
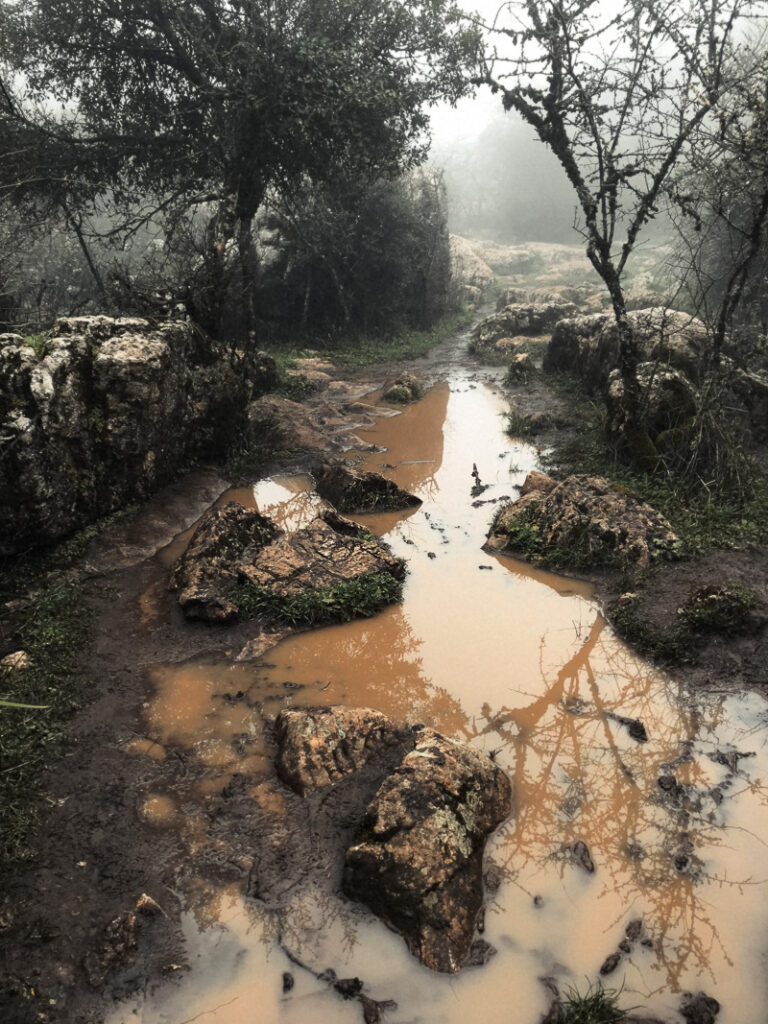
(583,521)
(418,861)
(319,746)
(106,414)
(208,571)
(523,319)
(353,491)
(237,563)
(588,346)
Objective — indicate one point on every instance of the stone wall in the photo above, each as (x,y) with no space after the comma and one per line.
(112,410)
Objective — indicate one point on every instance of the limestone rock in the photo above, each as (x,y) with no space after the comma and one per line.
(233,546)
(699,1008)
(468,268)
(404,390)
(353,491)
(111,410)
(520,367)
(588,346)
(209,568)
(667,400)
(523,319)
(536,481)
(318,746)
(317,557)
(418,862)
(590,517)
(15,661)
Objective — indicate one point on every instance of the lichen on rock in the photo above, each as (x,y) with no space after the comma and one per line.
(583,521)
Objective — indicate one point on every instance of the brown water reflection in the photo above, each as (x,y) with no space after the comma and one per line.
(521,663)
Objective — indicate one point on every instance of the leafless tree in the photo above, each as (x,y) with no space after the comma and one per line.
(619,93)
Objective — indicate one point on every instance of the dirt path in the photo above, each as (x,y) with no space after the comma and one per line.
(72,939)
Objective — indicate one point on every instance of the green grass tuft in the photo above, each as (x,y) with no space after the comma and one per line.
(598,1005)
(356,599)
(722,608)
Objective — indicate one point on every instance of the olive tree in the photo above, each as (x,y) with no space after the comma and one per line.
(211,103)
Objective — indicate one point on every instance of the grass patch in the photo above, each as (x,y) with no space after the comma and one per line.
(53,630)
(598,1005)
(355,599)
(702,522)
(517,425)
(359,352)
(722,608)
(295,386)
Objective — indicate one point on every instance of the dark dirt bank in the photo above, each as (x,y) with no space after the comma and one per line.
(74,933)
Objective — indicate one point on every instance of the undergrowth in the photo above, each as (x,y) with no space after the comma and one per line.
(53,631)
(702,521)
(358,352)
(353,599)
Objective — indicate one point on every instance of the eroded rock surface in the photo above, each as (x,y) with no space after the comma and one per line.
(353,491)
(112,410)
(588,346)
(418,863)
(278,422)
(319,746)
(585,518)
(208,571)
(235,546)
(521,319)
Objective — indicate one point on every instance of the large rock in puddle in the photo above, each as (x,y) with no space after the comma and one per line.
(531,318)
(319,746)
(208,571)
(413,812)
(418,862)
(237,563)
(353,491)
(583,521)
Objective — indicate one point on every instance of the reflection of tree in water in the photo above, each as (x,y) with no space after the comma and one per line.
(370,663)
(578,775)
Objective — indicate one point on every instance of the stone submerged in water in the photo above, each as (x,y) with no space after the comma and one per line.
(418,862)
(353,491)
(586,520)
(235,546)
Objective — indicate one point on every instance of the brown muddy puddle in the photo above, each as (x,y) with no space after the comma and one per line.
(520,663)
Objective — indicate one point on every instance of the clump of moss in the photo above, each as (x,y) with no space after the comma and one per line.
(38,342)
(295,386)
(367,496)
(353,599)
(720,608)
(404,391)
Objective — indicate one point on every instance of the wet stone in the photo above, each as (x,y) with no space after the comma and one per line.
(580,855)
(319,746)
(699,1008)
(353,491)
(610,964)
(418,861)
(288,981)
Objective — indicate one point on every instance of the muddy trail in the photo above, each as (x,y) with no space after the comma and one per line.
(638,841)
